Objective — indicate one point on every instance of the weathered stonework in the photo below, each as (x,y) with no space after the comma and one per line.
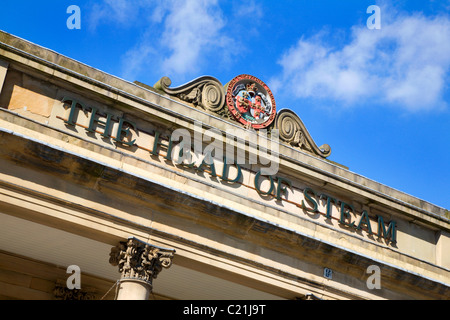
(61,292)
(140,261)
(293,131)
(100,171)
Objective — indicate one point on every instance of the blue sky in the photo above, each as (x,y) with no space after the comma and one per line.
(379,97)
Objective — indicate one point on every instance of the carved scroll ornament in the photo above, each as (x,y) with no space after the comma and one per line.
(206,92)
(293,131)
(239,101)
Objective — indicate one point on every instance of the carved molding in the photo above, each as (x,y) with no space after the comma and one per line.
(61,292)
(139,260)
(293,131)
(3,70)
(206,92)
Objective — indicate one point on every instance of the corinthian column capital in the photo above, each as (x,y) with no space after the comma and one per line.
(140,261)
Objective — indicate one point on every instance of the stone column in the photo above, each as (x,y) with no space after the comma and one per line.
(139,263)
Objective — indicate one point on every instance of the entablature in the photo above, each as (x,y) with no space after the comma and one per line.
(306,190)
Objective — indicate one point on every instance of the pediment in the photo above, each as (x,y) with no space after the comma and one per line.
(248,101)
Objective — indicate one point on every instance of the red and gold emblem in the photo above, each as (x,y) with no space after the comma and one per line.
(250,101)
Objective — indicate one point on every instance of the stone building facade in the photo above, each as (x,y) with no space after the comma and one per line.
(209,190)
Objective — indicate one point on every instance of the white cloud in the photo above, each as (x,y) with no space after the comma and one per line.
(249,8)
(191,29)
(405,64)
(177,36)
(114,11)
(136,60)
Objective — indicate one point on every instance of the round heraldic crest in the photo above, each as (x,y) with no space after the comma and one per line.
(251,102)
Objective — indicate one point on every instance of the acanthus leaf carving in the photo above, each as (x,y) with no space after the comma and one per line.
(62,292)
(139,260)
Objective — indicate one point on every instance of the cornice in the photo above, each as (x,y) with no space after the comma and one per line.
(24,51)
